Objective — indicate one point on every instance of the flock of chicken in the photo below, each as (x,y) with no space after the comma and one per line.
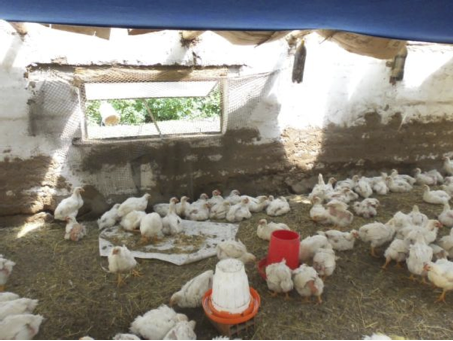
(410,237)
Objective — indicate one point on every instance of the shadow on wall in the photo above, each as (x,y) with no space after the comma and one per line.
(372,146)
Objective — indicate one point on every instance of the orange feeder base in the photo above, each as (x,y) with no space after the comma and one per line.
(232,324)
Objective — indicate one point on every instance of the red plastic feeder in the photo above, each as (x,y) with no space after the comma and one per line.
(231,324)
(283,244)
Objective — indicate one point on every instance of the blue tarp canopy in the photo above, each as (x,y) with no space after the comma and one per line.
(423,20)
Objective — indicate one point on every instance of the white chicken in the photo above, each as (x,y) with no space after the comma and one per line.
(440,274)
(151,227)
(318,213)
(446,217)
(265,229)
(438,197)
(171,223)
(446,243)
(17,307)
(131,221)
(20,327)
(234,249)
(109,218)
(183,330)
(377,234)
(419,254)
(258,204)
(362,187)
(417,217)
(74,230)
(234,197)
(239,212)
(307,282)
(123,336)
(322,190)
(8,296)
(182,207)
(198,212)
(380,186)
(277,206)
(347,183)
(398,250)
(278,278)
(435,173)
(338,214)
(324,262)
(448,188)
(156,323)
(429,232)
(121,261)
(345,195)
(310,245)
(6,268)
(340,241)
(219,211)
(69,207)
(133,204)
(216,198)
(409,179)
(400,222)
(397,185)
(192,292)
(438,252)
(448,165)
(424,178)
(367,208)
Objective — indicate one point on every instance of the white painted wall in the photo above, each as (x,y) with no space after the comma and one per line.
(339,87)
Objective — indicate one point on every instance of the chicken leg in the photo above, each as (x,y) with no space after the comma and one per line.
(119,280)
(136,273)
(442,296)
(273,293)
(2,288)
(373,252)
(287,298)
(412,277)
(387,262)
(398,265)
(319,299)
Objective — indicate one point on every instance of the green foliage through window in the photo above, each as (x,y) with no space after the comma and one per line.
(133,111)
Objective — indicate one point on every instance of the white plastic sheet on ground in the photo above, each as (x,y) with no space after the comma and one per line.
(178,249)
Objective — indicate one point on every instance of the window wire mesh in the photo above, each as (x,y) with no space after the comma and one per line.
(58,96)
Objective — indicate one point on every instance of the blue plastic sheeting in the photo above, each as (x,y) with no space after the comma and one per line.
(424,20)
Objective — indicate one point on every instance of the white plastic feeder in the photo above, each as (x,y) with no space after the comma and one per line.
(230,287)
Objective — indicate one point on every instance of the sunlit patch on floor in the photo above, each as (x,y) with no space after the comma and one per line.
(29,227)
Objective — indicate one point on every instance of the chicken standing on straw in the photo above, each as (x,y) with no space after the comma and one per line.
(122,261)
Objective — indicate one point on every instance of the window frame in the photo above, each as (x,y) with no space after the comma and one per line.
(151,74)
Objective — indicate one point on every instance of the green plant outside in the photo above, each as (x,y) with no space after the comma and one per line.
(133,111)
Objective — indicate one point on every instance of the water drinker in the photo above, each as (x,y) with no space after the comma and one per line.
(231,304)
(283,245)
(230,287)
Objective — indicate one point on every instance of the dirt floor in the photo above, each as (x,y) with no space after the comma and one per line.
(79,298)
